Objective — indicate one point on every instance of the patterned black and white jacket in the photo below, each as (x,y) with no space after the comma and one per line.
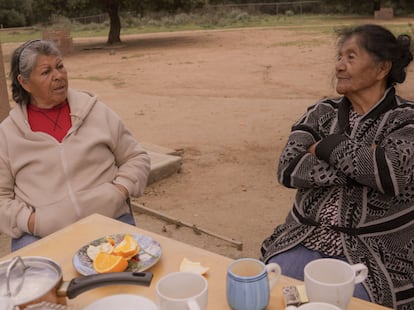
(372,166)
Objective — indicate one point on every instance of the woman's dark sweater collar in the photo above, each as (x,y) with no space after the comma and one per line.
(386,103)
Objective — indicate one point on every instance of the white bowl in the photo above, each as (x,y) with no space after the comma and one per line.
(314,306)
(122,301)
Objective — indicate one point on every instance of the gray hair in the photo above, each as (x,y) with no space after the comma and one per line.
(22,63)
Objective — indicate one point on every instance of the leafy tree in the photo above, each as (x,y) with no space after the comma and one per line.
(27,12)
(45,9)
(15,13)
(112,8)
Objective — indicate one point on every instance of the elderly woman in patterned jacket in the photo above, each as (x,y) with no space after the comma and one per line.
(63,153)
(351,160)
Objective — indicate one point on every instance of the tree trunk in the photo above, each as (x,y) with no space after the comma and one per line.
(376,5)
(112,7)
(4,95)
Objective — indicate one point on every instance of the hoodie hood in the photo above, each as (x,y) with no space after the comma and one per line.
(80,103)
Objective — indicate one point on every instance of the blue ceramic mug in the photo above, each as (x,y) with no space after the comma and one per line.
(249,282)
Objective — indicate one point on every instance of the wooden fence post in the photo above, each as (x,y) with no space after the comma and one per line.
(4,95)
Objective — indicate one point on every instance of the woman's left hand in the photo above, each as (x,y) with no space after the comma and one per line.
(312,148)
(31,222)
(123,190)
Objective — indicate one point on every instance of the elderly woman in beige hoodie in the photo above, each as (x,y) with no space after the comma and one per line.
(63,154)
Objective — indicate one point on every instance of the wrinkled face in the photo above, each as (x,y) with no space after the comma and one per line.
(356,70)
(48,83)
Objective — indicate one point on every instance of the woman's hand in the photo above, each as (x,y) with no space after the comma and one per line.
(312,148)
(123,190)
(31,222)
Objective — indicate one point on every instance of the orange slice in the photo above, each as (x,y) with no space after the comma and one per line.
(104,263)
(110,240)
(128,247)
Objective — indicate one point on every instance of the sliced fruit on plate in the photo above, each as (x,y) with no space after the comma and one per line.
(127,248)
(93,250)
(104,263)
(196,267)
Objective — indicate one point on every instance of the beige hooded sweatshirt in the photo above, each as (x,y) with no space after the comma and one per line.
(64,182)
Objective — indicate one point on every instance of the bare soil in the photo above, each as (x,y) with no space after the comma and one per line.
(225,100)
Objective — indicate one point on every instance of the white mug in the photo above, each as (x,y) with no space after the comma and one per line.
(333,281)
(249,282)
(182,291)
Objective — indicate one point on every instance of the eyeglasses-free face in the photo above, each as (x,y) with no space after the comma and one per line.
(357,72)
(48,82)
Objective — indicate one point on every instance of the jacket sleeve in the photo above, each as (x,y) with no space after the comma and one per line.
(387,167)
(297,167)
(300,169)
(132,160)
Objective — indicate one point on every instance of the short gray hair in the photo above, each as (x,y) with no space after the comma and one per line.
(23,61)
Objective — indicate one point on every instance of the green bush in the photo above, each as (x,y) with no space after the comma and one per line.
(289,13)
(154,23)
(182,19)
(12,18)
(238,15)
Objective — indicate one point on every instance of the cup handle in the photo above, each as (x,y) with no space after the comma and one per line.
(192,305)
(361,272)
(274,273)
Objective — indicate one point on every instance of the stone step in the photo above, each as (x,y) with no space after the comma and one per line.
(164,162)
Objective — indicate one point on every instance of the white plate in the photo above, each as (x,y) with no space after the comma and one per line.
(314,306)
(122,301)
(149,254)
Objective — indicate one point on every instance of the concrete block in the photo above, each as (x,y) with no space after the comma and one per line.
(163,166)
(159,149)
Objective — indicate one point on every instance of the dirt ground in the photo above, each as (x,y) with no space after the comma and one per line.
(226,101)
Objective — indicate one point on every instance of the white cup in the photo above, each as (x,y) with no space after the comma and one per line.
(333,281)
(182,291)
(314,306)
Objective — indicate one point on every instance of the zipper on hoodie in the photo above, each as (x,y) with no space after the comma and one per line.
(68,184)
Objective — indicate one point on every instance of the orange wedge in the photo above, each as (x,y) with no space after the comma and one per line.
(104,263)
(110,240)
(128,247)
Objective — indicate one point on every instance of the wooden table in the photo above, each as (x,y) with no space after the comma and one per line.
(62,245)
